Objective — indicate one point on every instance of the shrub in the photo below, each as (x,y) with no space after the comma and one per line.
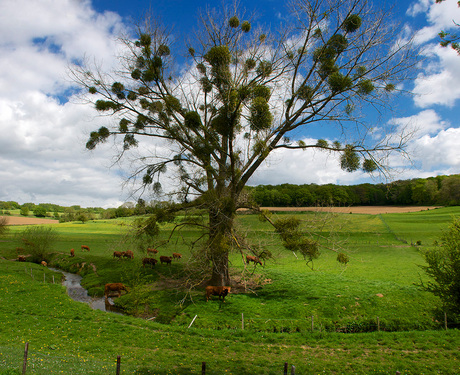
(3,225)
(444,269)
(38,242)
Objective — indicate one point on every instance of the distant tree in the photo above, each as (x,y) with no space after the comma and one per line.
(39,211)
(38,241)
(3,225)
(125,210)
(449,193)
(83,217)
(248,94)
(424,191)
(443,268)
(10,205)
(108,213)
(140,208)
(24,211)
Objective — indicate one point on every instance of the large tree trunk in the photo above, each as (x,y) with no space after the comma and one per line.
(220,275)
(221,225)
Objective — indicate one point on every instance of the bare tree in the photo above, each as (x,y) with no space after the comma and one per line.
(248,93)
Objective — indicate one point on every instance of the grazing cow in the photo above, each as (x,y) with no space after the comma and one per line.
(165,259)
(153,251)
(44,264)
(128,254)
(176,255)
(114,287)
(118,254)
(250,258)
(84,247)
(21,258)
(72,252)
(150,261)
(220,291)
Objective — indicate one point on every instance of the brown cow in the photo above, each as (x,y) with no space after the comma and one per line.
(21,258)
(176,255)
(84,247)
(128,254)
(150,261)
(250,258)
(118,254)
(165,259)
(72,252)
(44,264)
(114,287)
(220,291)
(154,251)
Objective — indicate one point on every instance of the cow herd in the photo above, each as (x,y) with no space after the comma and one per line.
(148,261)
(110,288)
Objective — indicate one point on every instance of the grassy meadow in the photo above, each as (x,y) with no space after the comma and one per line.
(325,318)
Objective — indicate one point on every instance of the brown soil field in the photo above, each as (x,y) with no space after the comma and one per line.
(371,210)
(17,220)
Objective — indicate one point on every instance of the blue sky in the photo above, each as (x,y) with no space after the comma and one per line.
(44,125)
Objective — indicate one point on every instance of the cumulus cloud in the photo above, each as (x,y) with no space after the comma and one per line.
(303,167)
(439,80)
(423,123)
(439,83)
(42,156)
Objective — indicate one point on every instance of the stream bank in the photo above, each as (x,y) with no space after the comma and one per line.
(72,282)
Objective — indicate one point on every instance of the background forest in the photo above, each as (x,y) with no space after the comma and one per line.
(440,190)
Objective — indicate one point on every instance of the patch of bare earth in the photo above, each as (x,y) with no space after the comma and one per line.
(17,220)
(370,210)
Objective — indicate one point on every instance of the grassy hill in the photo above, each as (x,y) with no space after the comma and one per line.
(365,317)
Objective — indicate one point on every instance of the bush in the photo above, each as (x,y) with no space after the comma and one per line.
(38,242)
(3,225)
(444,269)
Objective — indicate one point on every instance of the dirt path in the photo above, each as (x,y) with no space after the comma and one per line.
(17,220)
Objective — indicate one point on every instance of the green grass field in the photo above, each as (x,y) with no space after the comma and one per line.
(367,317)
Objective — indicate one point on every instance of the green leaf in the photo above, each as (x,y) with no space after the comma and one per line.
(365,87)
(352,23)
(234,22)
(246,26)
(260,116)
(192,120)
(322,143)
(338,82)
(369,165)
(349,160)
(163,50)
(265,68)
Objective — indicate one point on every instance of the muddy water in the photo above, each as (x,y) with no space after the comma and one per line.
(75,291)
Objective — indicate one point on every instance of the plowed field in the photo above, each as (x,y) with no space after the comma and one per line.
(17,220)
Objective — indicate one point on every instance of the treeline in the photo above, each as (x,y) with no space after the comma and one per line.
(440,190)
(77,213)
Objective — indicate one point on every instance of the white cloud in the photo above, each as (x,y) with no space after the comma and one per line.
(425,122)
(418,7)
(42,155)
(439,151)
(302,167)
(439,83)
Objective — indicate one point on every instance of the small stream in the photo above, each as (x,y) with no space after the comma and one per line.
(75,291)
